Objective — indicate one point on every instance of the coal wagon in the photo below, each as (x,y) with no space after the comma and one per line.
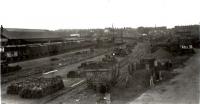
(98,78)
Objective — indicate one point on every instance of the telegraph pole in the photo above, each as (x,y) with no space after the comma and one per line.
(1,30)
(113,38)
(122,32)
(199,31)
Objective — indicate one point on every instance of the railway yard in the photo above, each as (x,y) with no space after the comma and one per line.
(104,72)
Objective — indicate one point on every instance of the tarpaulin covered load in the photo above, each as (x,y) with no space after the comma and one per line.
(36,87)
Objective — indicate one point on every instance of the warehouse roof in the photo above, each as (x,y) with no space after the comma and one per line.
(16,33)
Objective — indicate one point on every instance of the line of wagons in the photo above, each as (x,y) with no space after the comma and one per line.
(16,53)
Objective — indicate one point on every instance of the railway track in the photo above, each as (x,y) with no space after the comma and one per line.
(67,92)
(37,71)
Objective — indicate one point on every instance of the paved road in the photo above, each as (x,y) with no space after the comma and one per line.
(183,89)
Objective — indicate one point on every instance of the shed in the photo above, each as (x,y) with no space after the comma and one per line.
(162,54)
(163,59)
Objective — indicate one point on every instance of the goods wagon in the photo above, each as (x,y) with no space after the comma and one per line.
(36,87)
(100,74)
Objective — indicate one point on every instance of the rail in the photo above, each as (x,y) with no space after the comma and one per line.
(70,91)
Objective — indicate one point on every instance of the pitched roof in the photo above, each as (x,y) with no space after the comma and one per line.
(162,54)
(15,33)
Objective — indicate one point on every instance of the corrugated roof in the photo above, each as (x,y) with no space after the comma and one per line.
(25,30)
(14,33)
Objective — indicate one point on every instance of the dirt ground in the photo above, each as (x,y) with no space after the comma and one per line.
(182,89)
(12,99)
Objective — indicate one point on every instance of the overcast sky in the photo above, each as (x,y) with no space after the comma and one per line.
(63,14)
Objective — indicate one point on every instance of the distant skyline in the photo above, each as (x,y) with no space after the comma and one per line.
(86,14)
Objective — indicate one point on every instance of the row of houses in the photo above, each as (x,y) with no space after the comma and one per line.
(187,31)
(190,32)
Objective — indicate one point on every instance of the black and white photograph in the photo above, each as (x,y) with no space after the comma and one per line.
(100,51)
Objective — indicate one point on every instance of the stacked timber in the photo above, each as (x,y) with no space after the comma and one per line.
(36,87)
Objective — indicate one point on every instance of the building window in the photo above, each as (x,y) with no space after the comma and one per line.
(15,54)
(1,49)
(190,46)
(8,54)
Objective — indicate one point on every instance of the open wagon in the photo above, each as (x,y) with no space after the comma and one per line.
(101,79)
